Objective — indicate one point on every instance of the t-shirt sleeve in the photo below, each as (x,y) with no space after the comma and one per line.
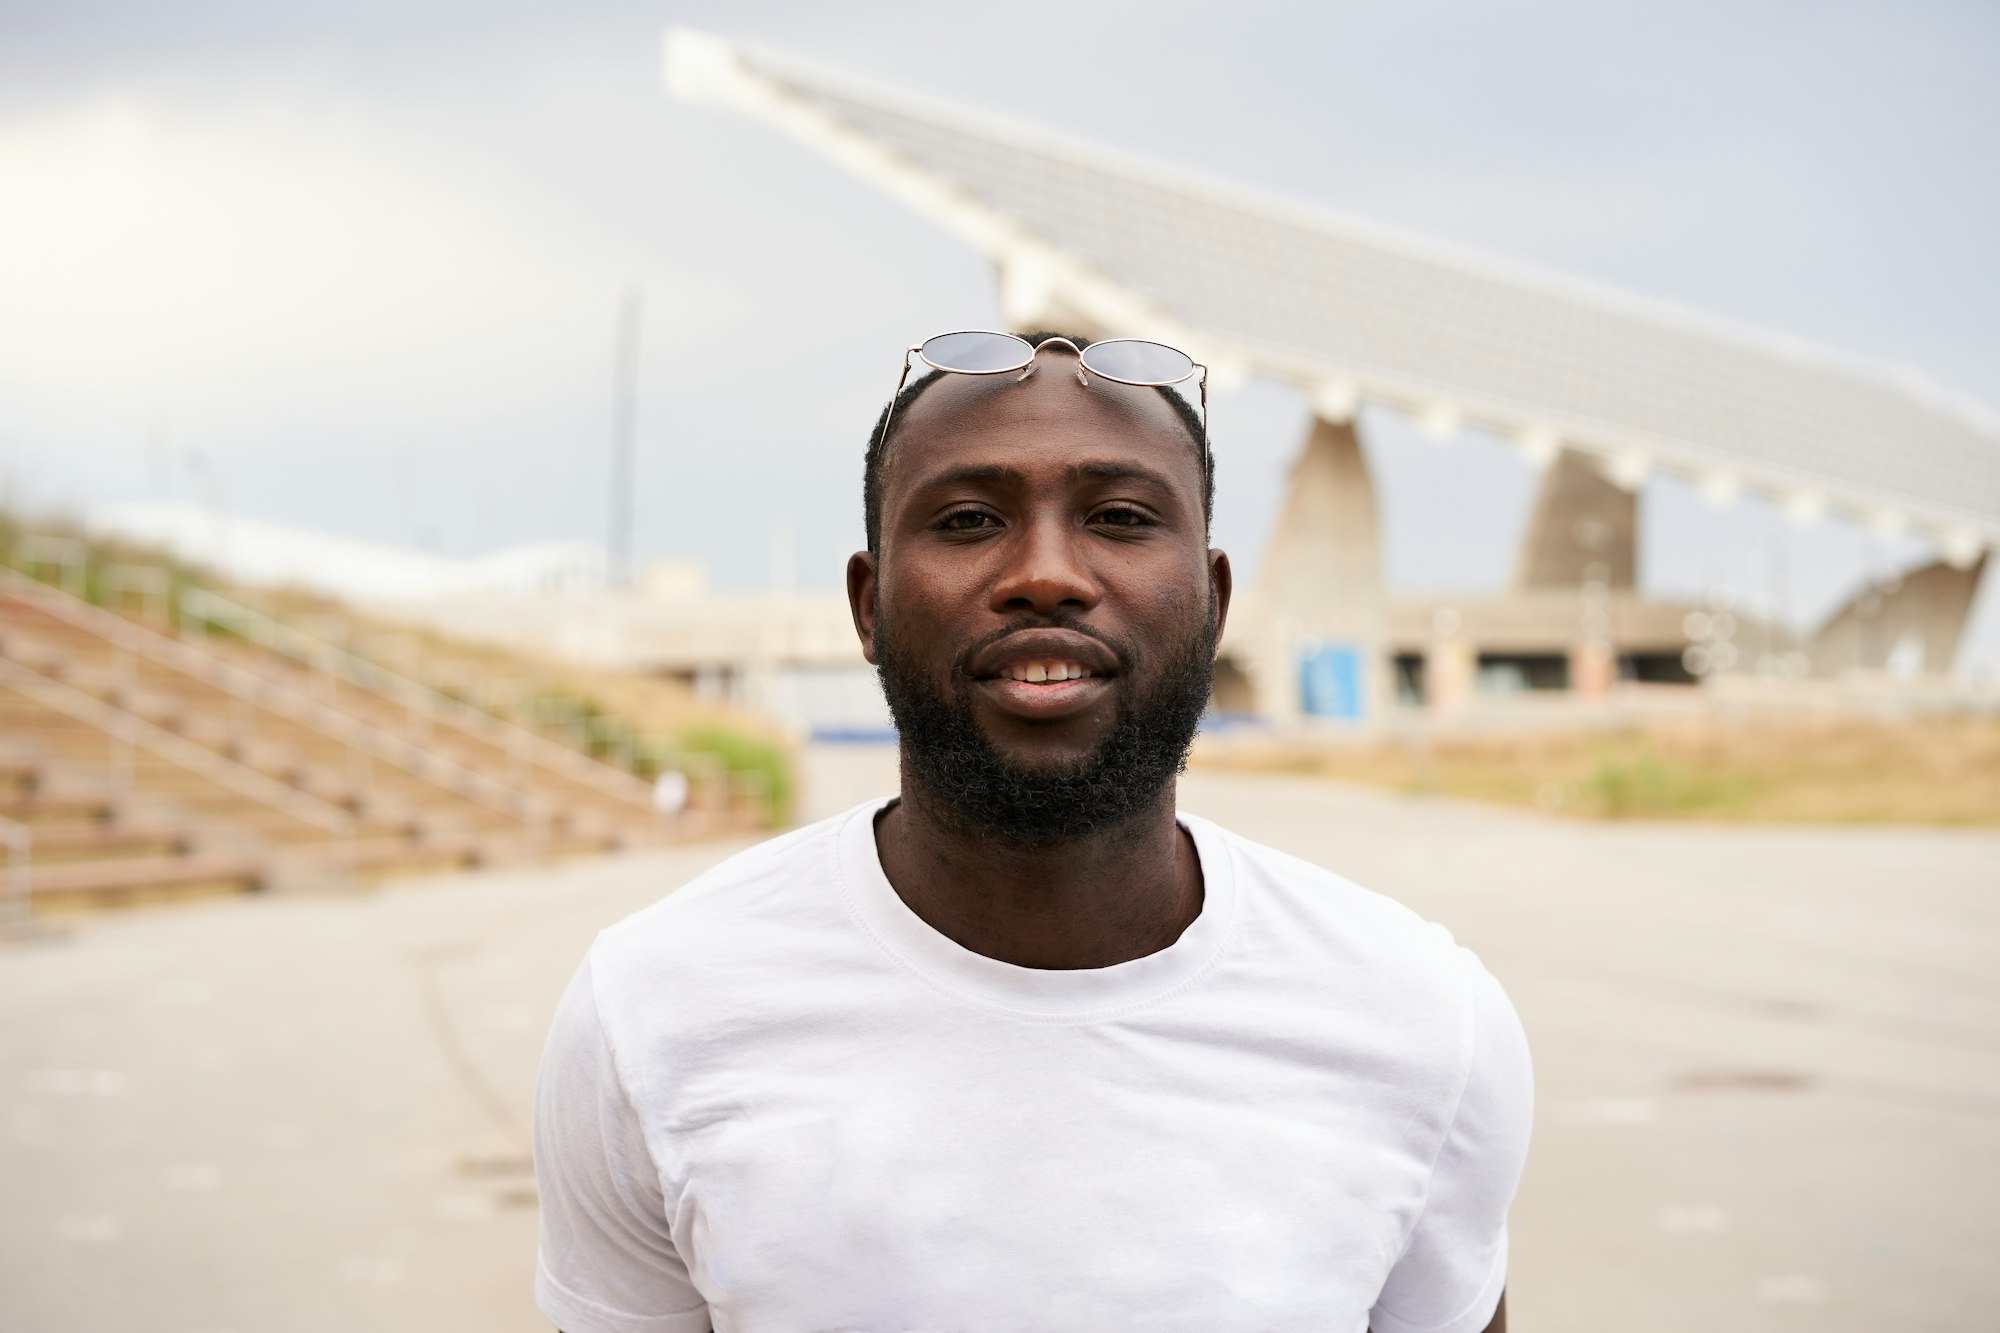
(607,1263)
(1454,1268)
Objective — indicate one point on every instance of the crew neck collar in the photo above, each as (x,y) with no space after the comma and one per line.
(988,983)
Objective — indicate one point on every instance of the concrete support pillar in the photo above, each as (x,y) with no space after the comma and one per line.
(1451,672)
(1582,525)
(1593,669)
(1321,578)
(1911,623)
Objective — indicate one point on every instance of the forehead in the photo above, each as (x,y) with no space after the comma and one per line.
(1047,418)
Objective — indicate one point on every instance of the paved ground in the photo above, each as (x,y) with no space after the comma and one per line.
(1770,1097)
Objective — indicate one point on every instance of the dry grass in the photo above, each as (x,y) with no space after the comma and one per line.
(1936,771)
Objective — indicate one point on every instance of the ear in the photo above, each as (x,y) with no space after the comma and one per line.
(1221,584)
(861,600)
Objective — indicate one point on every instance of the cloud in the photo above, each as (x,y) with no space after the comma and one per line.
(223,259)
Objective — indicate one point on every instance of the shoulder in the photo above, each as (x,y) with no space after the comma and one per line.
(1331,915)
(1364,948)
(740,907)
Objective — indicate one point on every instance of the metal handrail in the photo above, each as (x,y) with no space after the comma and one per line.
(137,731)
(252,688)
(297,644)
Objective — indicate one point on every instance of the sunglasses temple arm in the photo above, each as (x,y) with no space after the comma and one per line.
(1204,412)
(902,379)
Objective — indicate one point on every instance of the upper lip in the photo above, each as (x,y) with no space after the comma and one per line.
(1044,645)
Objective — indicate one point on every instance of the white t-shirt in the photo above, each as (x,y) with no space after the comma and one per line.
(778,1101)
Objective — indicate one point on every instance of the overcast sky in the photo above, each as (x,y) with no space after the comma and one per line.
(356,267)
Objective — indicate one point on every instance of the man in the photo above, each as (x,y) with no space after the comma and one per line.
(1021,1048)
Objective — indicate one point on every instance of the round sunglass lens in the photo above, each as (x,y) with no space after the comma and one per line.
(1137,361)
(977,353)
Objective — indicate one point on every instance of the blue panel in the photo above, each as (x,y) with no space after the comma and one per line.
(1330,680)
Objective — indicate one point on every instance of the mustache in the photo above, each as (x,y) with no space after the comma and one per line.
(961,665)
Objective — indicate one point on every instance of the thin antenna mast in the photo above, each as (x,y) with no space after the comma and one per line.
(624,417)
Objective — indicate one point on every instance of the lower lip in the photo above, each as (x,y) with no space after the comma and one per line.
(1046,700)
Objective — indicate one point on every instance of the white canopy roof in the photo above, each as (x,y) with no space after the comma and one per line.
(1352,311)
(267,553)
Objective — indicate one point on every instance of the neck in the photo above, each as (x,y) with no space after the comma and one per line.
(1095,900)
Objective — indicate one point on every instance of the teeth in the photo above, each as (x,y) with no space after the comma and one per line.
(1040,672)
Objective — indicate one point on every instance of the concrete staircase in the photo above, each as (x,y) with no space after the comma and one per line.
(138,765)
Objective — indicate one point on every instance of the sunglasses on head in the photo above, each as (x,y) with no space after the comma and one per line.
(1135,361)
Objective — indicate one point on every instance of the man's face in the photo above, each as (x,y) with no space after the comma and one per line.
(1044,607)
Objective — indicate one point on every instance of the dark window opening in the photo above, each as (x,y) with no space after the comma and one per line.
(1517,673)
(1410,683)
(1655,669)
(1232,694)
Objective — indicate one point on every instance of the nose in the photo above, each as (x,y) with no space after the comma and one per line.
(1045,571)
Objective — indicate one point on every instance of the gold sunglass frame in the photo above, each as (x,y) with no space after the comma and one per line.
(1196,370)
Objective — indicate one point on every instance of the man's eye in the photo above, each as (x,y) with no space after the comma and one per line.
(967,520)
(1122,516)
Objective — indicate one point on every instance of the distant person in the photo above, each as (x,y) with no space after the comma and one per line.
(670,792)
(1021,1048)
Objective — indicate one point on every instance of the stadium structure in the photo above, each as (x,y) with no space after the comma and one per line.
(1598,389)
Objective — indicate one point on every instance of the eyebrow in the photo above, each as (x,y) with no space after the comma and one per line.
(1117,472)
(988,473)
(974,474)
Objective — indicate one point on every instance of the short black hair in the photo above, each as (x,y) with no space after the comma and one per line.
(878,442)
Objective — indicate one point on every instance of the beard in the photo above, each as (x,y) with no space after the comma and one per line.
(974,787)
